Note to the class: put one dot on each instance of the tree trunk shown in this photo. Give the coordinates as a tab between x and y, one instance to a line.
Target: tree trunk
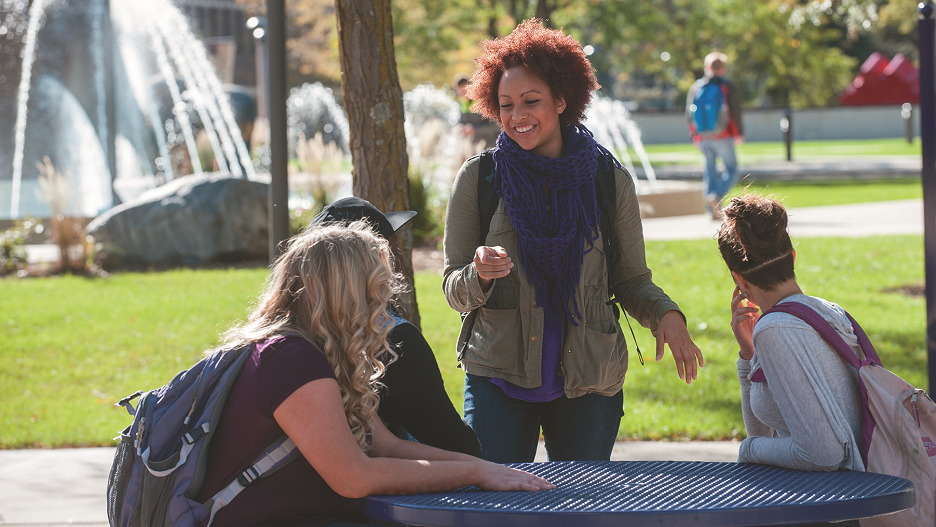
491	10
374	103
544	12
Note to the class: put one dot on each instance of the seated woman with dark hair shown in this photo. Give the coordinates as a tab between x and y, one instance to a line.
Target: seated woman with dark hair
320	333
801	401
413	401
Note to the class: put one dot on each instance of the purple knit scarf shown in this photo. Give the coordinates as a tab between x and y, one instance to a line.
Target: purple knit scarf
552	229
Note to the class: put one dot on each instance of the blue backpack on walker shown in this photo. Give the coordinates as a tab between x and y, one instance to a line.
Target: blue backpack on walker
708	109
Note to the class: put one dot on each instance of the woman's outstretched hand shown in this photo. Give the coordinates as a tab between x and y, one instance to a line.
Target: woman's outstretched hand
501	478
744	315
672	330
491	263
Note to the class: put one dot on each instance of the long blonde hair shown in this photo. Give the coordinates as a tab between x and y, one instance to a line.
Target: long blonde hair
332	286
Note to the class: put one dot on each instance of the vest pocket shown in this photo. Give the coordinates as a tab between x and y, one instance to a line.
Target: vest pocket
600	365
595	265
496	340
501	231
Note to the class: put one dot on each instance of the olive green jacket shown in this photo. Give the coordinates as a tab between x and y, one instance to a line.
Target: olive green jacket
506	325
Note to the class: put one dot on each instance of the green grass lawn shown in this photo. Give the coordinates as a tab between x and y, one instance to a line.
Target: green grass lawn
71	347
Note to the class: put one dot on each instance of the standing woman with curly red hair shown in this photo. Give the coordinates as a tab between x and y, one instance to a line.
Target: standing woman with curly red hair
540	346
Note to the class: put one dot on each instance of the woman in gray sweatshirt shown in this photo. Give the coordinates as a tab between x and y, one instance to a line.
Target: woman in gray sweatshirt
801	402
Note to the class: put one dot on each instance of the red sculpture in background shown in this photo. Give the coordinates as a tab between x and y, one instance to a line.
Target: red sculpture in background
884	82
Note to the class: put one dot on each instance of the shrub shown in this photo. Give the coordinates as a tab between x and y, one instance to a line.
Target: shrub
67	228
428	223
13	245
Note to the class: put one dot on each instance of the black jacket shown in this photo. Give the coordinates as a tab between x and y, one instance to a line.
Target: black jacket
413	396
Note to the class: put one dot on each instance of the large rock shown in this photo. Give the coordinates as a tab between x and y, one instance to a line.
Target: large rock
189	221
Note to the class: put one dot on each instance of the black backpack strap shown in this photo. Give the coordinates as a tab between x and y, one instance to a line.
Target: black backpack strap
487	202
606	193
487	196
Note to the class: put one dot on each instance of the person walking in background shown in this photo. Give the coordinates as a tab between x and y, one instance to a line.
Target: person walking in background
473	125
413	402
713	109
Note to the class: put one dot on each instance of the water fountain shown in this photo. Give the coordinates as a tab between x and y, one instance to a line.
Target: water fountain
613	127
119	94
434	145
437	148
312	108
115	93
318	138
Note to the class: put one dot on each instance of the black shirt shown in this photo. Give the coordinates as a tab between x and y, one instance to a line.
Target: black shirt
413	396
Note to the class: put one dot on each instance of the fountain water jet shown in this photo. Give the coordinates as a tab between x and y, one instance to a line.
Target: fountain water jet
434	146
613	127
36	11
106	55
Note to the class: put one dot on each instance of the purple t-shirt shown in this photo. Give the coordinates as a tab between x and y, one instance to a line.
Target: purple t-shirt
295	495
552	387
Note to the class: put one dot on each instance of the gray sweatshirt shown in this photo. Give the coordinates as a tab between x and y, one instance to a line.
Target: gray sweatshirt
807	415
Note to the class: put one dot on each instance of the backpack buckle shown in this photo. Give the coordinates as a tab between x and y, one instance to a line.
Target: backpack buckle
125	402
196	433
248	476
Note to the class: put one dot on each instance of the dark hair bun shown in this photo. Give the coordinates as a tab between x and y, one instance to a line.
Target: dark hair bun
759	224
754	241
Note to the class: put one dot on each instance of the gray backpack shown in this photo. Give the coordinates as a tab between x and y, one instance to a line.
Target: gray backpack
161	460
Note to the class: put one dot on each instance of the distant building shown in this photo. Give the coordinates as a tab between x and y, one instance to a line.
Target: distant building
221	25
883	81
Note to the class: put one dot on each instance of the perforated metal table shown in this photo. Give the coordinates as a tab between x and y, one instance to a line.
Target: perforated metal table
656	493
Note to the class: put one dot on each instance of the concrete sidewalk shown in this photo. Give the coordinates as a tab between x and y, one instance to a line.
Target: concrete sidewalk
861	219
67	486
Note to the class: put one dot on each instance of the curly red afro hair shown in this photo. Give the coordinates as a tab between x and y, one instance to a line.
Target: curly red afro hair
551	55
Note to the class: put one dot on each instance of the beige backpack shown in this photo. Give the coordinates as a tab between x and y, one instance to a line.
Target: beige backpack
899	422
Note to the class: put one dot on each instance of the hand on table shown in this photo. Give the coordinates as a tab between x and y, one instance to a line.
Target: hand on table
501	478
744	315
491	263
672	330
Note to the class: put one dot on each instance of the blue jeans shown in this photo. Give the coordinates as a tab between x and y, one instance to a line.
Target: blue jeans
579	429
715	182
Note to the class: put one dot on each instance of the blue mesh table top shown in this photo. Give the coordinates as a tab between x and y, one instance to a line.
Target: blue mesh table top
656	493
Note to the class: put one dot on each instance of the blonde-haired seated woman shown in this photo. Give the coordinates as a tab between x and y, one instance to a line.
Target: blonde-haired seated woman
320	329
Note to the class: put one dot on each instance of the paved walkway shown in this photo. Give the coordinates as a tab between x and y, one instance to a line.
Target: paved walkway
862	219
66	486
